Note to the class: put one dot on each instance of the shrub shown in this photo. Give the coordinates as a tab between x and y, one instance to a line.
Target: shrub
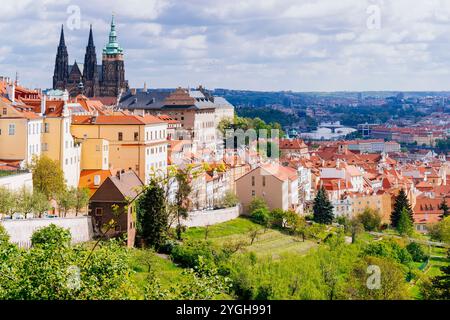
188	254
4	236
51	236
261	216
370	219
230	200
388	249
257	203
277	217
417	252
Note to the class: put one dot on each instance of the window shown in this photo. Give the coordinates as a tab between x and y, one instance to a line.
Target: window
264	181
47	127
253	193
120	136
98	212
253	181
4	111
136	136
12	129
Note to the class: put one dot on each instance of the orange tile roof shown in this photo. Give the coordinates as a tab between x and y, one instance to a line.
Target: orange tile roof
87	179
116	119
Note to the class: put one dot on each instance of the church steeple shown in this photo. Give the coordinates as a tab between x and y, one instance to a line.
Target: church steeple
61	72
90	71
112	48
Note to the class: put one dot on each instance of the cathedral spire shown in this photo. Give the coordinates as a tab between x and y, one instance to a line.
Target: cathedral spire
112	48
62	42
61	72
91	38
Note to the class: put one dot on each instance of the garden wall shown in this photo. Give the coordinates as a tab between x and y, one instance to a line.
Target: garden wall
211	217
20	231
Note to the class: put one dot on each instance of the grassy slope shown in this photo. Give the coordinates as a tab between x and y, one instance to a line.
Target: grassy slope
270	241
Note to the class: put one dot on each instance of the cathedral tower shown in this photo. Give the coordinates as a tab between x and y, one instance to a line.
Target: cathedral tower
113	68
61	72
90	70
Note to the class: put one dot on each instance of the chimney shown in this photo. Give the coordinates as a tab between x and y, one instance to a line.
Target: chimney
118	174
133	91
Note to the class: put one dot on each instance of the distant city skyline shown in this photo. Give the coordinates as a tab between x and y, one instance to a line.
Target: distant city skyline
302	46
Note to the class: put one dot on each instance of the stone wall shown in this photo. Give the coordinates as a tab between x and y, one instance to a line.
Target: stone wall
20	231
205	218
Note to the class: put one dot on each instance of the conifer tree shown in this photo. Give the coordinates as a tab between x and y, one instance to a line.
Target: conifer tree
323	209
152	219
404	224
445	209
401	202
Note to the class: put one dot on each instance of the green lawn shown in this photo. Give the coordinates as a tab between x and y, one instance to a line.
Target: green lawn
272	242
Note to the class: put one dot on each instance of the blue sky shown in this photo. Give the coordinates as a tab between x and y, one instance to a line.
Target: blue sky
300	45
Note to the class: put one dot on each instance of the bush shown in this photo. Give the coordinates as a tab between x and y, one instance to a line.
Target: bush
277	217
230	200
370	219
51	236
388	249
417	252
4	236
257	203
261	216
188	254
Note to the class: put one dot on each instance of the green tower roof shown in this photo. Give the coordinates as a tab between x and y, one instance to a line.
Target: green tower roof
113	46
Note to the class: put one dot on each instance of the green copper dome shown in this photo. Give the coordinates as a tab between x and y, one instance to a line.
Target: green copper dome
112	47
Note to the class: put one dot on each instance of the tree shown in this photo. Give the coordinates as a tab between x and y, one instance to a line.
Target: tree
253	234
370	219
7	201
230	199
40	203
4	237
66	200
401	202
362	285
277	218
322	208
82	196
48	177
417	252
262	217
257	203
438	288
355	227
25	201
152	216
445	209
404	224
440	231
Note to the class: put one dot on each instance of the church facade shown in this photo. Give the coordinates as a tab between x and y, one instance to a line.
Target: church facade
90	79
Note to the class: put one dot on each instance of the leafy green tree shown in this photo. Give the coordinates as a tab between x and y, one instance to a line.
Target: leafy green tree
440	231
277	218
401	202
370	219
82	196
230	199
48	177
51	236
257	203
4	237
417	252
392	284
7	201
355	227
261	216
404	224
438	287
67	200
152	219
40	203
322	209
25	201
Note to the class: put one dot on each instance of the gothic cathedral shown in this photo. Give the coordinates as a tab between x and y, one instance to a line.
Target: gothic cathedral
90	79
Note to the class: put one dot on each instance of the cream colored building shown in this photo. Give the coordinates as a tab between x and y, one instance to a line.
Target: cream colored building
276	184
135	143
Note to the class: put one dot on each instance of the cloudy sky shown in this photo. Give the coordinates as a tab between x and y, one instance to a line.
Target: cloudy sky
300	45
